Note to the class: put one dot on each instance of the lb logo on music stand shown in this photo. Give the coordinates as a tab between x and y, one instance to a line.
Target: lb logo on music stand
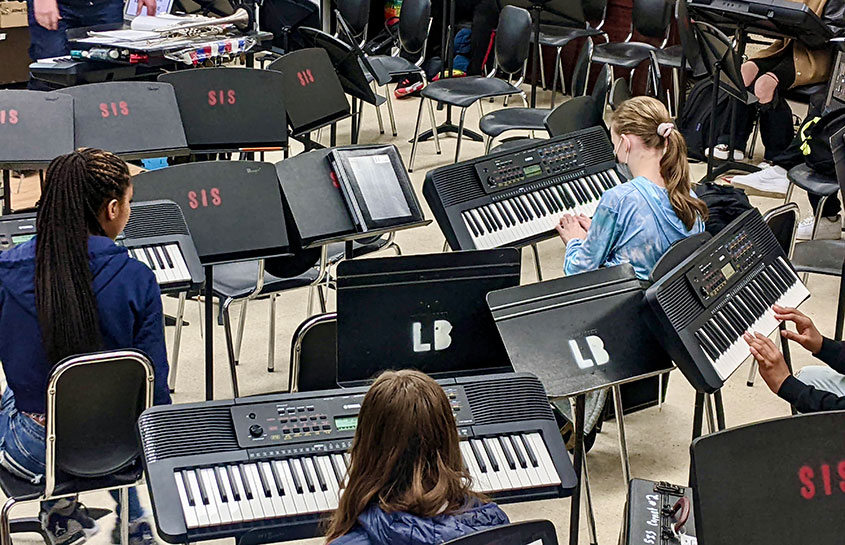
596	346
442	336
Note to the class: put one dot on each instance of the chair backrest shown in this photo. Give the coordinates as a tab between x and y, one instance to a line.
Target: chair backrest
837	148
594	10
794	466
652	18
530	532
314	354
356	14
414	21
513	39
619	93
582	67
93	405
601	89
783	221
573	115
677	252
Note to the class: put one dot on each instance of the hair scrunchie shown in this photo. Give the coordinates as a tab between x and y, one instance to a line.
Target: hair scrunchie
665	129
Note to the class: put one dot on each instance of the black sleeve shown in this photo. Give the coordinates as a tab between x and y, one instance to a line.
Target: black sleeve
833	354
808	399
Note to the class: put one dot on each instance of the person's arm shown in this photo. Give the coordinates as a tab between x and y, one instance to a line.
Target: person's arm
773	369
149	338
832	353
590	252
47	13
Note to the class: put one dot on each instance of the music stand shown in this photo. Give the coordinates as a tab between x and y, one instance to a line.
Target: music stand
318	212
230	109
349	62
35	128
529	320
234	212
557	12
752	486
133	120
313	94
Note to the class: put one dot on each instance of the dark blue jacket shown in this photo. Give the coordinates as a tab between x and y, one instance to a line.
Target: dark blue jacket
375	527
128	301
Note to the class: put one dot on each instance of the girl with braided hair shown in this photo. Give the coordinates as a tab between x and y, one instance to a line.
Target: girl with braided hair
71	290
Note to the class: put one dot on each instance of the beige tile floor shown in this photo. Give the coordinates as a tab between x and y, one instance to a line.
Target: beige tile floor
658	440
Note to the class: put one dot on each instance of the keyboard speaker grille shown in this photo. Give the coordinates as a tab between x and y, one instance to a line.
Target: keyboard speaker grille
187	432
508	400
679	303
153	219
457	184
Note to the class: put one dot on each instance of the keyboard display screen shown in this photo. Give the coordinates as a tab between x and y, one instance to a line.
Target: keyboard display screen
346	423
20	239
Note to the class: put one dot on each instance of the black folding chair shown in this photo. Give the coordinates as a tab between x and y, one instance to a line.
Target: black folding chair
91	445
313	354
532	532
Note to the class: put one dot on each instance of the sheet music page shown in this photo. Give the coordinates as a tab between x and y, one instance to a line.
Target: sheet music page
379	186
144	22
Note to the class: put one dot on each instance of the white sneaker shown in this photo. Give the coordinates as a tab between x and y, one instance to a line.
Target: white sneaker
768	182
829	229
720	152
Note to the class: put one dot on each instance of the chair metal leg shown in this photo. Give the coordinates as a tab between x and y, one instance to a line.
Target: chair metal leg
623	443
124	516
271	347
488	145
537	267
240	335
818	216
230	349
660	392
542	67
708	413
202	313
322	297
390	110
460	134
588	500
177	341
445	246
417	136
5	529
378	110
480	109
310	307
840	308
434	128
752	374
558	73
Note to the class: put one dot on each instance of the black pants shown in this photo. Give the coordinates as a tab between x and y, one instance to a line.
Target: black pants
831	205
484	15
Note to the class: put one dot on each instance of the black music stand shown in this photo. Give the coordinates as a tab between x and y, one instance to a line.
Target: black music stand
558	12
235	213
231	109
35	128
532	338
349	62
313	94
133	120
316	207
752	486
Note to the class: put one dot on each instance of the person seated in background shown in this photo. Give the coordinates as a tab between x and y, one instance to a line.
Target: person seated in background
813	389
407	480
637	221
71	290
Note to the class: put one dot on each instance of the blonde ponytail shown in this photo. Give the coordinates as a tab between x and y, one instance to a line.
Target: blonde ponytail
644	117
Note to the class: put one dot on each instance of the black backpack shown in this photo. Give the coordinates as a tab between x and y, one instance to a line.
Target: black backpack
815	136
724	204
694	121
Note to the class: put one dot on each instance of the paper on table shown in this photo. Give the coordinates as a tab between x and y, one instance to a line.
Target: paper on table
379	187
144	22
113	36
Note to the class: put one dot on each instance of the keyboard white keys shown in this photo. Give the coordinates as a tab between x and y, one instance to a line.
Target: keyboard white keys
273	489
165	260
527	215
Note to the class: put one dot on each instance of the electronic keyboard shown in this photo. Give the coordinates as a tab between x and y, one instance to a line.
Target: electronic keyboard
157	236
514	198
725	288
271	468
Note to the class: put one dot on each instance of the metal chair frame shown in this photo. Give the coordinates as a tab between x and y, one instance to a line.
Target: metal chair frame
50	469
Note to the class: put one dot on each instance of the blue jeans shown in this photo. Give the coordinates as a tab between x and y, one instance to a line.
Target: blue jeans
823	378
53	43
22	451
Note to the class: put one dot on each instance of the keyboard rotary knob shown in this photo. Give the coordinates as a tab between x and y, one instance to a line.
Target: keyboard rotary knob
256	431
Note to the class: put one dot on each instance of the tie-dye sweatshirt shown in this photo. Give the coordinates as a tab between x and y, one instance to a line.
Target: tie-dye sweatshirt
633	223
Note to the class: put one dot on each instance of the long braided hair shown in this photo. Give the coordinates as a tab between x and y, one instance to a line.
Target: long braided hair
76	189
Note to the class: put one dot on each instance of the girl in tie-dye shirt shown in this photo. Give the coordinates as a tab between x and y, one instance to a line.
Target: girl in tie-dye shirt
636	222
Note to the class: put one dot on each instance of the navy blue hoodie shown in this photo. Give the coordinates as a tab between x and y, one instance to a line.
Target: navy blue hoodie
128	301
375	527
